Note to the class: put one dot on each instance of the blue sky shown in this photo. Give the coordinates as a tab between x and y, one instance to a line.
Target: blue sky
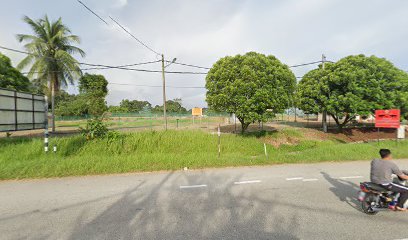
200	32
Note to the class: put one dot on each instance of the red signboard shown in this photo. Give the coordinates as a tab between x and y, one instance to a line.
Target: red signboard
387	118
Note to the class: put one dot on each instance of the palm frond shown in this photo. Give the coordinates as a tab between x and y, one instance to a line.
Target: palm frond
35	26
74	50
74	38
25	62
51	47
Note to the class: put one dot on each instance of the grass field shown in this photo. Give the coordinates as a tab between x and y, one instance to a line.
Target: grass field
172	150
145	122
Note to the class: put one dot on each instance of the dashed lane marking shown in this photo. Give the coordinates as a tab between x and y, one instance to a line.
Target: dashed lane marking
193	186
294	178
247	182
351	177
310	179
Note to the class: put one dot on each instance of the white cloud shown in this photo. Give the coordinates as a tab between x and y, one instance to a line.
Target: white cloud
200	32
120	3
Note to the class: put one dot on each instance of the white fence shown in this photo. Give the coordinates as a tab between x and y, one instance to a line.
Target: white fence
21	111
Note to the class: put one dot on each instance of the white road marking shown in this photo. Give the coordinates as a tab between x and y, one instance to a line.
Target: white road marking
351	177
310	180
248	182
193	186
294	178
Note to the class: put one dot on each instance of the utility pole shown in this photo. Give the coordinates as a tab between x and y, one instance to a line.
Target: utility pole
324	114
164	87
164	93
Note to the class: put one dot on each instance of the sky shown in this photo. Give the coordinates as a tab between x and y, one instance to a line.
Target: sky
200	32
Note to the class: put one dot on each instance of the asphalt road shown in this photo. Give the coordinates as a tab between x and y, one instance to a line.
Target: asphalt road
305	201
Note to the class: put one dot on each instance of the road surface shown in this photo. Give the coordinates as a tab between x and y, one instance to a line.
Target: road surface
302	201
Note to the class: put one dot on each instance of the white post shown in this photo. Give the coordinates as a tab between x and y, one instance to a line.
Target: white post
266	153
46	124
219	140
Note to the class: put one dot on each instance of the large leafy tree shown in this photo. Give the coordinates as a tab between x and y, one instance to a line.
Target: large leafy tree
134	105
172	106
353	85
249	85
70	104
94	88
11	78
51	48
91	99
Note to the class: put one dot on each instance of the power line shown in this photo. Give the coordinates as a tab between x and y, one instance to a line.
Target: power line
304	64
189	65
15	50
120	66
83	4
140	70
154	86
126	67
145	45
293	66
102	66
124	29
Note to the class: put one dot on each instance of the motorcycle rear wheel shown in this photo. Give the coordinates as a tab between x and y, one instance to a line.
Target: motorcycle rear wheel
368	203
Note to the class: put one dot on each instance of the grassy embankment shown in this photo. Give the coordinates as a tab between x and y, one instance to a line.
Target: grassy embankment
150	151
142	122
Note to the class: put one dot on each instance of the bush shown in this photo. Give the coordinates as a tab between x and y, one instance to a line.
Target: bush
95	128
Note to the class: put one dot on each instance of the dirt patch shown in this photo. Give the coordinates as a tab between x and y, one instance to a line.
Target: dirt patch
363	134
349	135
251	128
283	135
282	140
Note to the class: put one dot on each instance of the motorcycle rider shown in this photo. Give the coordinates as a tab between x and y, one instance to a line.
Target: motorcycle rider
381	173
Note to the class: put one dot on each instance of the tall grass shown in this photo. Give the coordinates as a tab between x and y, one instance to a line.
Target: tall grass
168	150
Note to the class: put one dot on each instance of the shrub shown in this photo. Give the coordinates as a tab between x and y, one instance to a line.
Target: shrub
95	128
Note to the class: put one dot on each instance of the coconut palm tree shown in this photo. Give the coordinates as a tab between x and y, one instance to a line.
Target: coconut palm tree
50	60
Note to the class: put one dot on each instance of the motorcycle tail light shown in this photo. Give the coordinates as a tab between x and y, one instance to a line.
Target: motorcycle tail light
363	188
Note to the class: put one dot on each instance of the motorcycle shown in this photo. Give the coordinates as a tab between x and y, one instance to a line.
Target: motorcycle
375	198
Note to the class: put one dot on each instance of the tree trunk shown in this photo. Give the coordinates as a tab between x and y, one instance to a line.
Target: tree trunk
53	105
339	124
55	87
244	125
340	128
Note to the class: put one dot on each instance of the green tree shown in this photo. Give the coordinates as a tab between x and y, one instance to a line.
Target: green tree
172	106
51	49
117	109
93	84
134	105
74	105
249	85
94	89
355	85
90	100
11	78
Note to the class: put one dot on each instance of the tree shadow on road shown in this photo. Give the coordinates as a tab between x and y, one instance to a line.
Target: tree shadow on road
346	191
168	212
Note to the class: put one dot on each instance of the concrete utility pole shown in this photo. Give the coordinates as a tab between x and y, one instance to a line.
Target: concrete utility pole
164	88
324	114
164	93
